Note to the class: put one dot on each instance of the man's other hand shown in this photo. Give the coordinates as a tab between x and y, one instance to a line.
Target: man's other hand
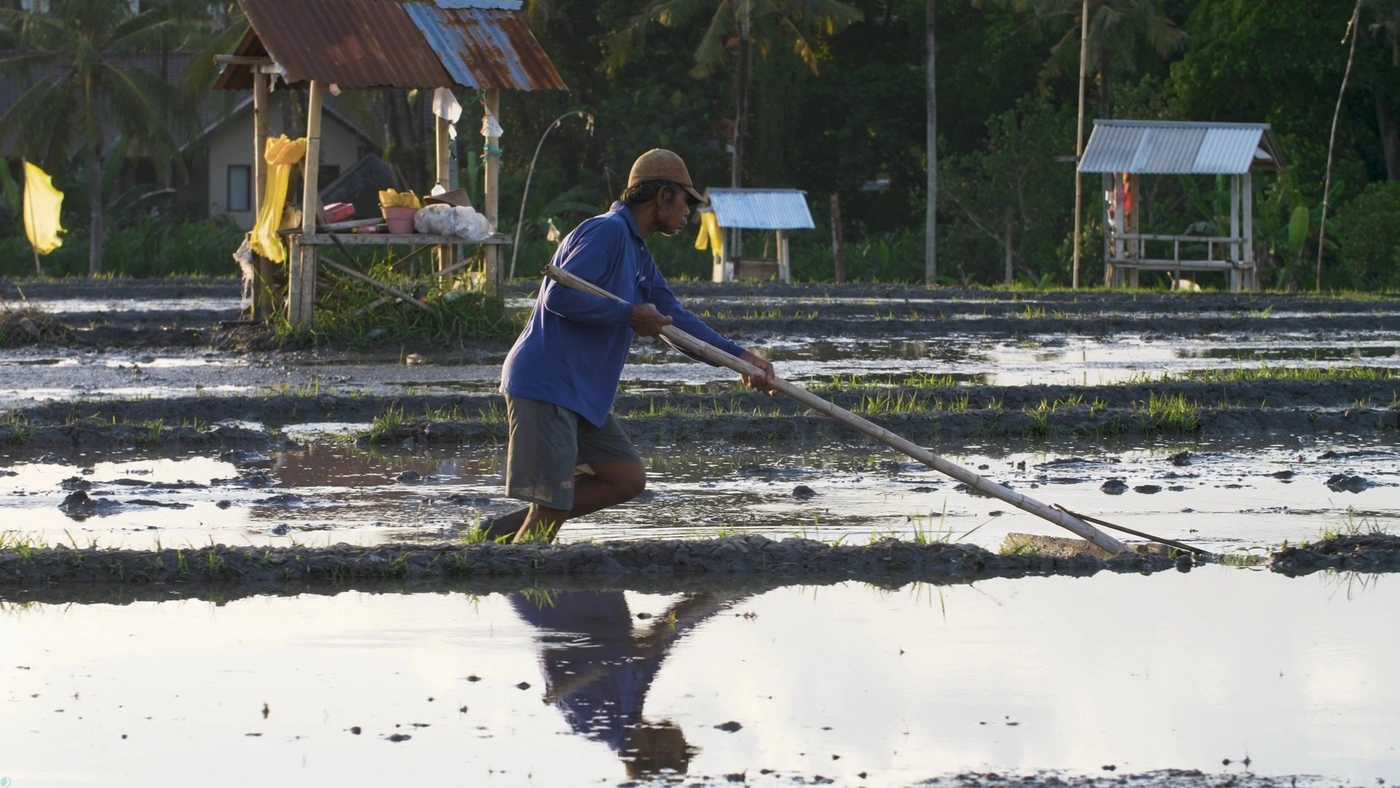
764	382
647	321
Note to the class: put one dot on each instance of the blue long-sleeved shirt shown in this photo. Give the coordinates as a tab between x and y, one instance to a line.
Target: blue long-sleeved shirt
572	351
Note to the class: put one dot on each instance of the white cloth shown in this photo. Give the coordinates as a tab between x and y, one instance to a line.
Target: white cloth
445	106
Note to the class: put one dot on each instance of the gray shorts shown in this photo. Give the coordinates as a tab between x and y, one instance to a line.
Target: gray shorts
547	444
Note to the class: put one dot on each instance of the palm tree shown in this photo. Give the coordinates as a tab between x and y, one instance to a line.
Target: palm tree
740	27
85	88
1120	33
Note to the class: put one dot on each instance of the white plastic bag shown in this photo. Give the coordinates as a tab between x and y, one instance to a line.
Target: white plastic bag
465	223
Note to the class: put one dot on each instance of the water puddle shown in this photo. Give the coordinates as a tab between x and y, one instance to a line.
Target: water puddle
1221	670
1230	499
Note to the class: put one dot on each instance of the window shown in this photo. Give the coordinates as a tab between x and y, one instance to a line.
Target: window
326	174
240	188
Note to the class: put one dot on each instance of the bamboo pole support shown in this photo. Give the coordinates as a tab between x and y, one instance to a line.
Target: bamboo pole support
301	280
493	196
981	484
262	285
442	255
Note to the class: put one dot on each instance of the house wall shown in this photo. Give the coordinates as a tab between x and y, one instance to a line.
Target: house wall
232	144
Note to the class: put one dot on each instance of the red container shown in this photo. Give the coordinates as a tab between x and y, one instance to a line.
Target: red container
338	212
400	220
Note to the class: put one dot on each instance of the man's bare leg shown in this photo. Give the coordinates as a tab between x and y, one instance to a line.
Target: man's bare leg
612	483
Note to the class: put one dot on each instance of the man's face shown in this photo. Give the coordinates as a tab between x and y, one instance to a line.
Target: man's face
672	210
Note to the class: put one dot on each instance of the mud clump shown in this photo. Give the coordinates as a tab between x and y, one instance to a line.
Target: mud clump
29	326
1375	552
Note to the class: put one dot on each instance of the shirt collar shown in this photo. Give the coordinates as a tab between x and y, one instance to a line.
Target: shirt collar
620	208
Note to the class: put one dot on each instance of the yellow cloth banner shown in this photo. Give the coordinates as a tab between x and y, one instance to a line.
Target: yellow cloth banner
709	237
42	205
281	153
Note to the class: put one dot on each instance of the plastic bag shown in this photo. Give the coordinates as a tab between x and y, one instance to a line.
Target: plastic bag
465	223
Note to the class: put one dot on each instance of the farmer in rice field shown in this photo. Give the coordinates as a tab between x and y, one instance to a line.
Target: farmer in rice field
561	377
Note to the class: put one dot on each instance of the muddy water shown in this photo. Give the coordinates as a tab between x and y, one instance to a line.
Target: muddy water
51	374
1228	499
862	686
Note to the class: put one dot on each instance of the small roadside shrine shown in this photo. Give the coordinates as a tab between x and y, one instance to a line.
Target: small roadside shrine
731	211
333	45
1122	151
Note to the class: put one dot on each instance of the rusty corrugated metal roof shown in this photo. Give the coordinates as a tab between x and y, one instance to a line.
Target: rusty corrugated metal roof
761	209
382	43
1171	147
485	47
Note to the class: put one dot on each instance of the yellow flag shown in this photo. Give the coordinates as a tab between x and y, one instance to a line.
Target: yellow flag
42	203
709	237
281	154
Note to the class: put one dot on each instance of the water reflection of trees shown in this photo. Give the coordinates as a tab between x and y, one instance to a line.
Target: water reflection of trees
598	668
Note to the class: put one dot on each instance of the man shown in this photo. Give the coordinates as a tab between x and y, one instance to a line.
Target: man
561	377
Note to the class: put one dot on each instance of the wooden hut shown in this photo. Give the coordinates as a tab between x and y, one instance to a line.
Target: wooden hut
321	45
776	211
1122	151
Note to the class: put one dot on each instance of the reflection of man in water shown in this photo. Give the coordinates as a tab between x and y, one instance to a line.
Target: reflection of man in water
598	669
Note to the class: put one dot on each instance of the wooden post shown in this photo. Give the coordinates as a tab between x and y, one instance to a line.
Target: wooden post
1110	273
443	255
301	278
784	265
1235	233
1252	273
838	251
262	284
493	197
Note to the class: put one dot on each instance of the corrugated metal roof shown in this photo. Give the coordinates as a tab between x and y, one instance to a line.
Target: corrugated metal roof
761	209
382	44
1170	147
485	47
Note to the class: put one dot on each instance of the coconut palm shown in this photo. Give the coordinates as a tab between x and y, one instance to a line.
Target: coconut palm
85	89
736	31
1121	32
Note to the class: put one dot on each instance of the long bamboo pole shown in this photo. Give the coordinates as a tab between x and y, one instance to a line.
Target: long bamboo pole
869	428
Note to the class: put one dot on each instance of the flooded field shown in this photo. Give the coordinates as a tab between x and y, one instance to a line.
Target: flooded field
1236	424
1222	670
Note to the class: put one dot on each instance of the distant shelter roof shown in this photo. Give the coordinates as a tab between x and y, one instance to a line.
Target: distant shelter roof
761	209
386	44
1158	147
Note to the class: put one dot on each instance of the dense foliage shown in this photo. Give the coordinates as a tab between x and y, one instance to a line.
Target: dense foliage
833	100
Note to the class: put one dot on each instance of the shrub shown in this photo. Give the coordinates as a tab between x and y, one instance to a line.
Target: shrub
1368	237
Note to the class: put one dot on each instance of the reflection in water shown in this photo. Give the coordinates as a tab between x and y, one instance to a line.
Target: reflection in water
598	669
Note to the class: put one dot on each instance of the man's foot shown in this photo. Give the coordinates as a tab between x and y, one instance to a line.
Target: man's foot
502	526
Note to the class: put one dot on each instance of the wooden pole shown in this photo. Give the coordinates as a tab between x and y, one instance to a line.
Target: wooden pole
301	280
493	196
1235	233
1079	140
442	255
1352	32
869	428
1252	267
837	250
784	265
931	142
262	284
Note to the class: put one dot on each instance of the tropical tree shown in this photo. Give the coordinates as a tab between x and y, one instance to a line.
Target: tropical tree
737	31
83	89
1121	34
